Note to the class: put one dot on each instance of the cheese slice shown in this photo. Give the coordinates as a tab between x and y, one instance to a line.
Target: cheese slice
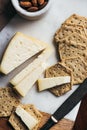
20	48
47	83
19	77
26	117
25	85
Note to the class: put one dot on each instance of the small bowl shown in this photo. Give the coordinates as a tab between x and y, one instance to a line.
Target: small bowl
30	15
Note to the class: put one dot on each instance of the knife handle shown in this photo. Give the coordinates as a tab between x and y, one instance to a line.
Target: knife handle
67	106
71	101
51	121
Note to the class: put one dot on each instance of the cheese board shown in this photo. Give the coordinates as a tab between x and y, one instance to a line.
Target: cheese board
64	124
43	29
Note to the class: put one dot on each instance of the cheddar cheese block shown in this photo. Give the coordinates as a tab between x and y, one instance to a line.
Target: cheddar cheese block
47	83
20	48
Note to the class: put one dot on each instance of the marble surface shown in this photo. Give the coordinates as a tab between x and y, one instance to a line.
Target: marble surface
44	30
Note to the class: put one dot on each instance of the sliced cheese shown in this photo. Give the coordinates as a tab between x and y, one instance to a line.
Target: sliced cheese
20	48
26	117
25	85
47	83
19	77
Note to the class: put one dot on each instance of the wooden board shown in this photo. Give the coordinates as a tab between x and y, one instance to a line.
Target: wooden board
4	125
81	120
64	124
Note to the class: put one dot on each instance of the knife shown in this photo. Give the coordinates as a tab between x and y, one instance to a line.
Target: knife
14	72
67	106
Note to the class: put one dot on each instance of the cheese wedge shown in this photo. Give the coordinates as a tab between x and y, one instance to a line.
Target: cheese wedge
20	48
47	83
25	85
19	77
26	117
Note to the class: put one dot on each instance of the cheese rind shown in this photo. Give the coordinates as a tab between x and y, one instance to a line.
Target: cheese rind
25	85
20	48
19	77
47	83
26	117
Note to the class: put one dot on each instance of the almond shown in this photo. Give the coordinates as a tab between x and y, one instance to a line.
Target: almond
34	2
41	2
42	6
32	9
25	4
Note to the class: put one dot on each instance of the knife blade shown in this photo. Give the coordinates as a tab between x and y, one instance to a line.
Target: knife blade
67	106
18	69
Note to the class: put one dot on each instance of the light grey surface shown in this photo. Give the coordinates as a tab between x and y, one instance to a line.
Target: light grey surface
44	30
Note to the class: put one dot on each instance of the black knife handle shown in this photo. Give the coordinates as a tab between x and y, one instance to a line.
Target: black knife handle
67	106
72	101
48	124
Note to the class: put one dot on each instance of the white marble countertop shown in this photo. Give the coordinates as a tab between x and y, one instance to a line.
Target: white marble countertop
44	30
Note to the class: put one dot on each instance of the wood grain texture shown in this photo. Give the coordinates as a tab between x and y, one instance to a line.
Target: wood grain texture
4	125
64	124
81	120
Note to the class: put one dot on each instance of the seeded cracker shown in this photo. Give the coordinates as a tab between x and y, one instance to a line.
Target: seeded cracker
76	38
68	50
77	20
16	122
8	100
59	70
78	67
67	29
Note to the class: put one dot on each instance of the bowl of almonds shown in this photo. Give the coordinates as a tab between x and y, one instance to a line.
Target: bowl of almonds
31	9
